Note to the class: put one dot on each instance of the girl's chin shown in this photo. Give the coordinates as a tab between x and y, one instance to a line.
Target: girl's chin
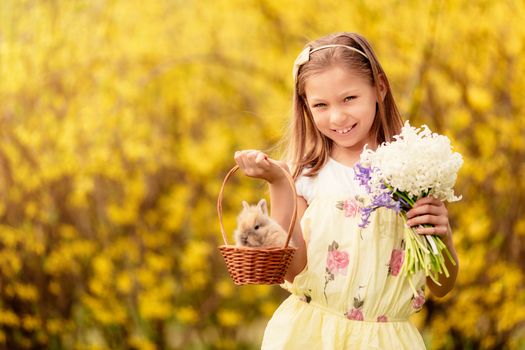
351	143
348	147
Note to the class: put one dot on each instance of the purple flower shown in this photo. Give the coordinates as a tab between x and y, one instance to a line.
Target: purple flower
363	175
365	216
385	200
382	200
403	204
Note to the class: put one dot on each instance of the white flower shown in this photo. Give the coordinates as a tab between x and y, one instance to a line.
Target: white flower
418	162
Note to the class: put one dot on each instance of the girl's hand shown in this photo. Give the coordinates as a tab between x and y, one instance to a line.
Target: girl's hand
257	164
429	210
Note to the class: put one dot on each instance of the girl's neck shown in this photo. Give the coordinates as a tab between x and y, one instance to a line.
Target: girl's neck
348	157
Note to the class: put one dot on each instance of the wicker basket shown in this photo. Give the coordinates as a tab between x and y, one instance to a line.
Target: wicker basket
248	265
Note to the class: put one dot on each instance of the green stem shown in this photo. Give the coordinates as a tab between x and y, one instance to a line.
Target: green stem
405	197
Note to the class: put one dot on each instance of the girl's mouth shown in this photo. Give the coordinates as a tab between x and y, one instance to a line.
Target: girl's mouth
344	131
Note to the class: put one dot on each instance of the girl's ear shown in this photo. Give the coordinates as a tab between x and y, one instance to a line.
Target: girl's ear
382	87
262	205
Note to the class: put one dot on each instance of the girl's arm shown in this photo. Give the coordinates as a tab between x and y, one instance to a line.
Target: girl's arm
257	164
429	210
281	198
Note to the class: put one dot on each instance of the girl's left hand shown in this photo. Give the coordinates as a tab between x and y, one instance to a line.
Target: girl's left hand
429	210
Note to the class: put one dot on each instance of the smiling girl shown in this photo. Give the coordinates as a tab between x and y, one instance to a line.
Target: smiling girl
346	290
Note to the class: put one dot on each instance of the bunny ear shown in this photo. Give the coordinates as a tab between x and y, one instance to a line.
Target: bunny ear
245	205
262	205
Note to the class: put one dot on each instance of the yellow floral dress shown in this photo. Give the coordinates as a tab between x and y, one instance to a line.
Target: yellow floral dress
351	294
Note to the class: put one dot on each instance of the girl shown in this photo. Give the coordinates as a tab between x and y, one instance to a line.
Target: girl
346	288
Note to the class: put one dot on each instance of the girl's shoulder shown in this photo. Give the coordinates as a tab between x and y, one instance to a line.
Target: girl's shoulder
305	185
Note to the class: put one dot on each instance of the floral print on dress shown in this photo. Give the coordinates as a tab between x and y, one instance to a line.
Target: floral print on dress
396	261
350	207
397	258
336	264
418	300
382	318
356	313
307	296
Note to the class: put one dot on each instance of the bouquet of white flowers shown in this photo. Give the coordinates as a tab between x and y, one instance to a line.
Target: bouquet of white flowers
418	163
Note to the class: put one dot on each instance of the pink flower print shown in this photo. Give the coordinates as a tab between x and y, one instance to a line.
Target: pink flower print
350	207
356	314
396	261
336	264
418	300
382	318
337	261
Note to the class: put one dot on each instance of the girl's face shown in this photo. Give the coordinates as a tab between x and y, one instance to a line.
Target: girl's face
343	105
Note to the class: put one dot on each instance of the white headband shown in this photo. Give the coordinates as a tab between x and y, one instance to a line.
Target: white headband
304	56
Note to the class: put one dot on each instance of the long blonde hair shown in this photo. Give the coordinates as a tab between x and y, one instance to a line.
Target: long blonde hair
305	146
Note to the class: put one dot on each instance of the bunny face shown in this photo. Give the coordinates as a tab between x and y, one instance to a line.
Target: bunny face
252	225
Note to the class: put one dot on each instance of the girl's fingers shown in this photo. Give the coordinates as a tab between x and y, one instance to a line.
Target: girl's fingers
429	211
428	219
435	230
247	158
432	208
255	164
427	200
262	159
239	159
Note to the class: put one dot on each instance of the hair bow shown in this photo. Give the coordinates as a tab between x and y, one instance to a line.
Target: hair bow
304	56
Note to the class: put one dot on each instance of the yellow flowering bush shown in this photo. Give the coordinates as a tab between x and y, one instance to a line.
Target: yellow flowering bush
119	120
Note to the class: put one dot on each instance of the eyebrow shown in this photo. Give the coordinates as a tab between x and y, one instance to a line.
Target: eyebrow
351	92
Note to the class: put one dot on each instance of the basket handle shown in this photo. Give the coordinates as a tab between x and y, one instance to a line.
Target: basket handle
294	214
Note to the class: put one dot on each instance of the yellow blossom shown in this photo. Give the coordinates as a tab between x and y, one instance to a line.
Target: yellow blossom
124	282
30	323
268	308
141	343
8	318
186	314
225	287
229	318
26	291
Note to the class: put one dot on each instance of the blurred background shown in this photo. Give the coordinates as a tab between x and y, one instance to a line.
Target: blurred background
119	120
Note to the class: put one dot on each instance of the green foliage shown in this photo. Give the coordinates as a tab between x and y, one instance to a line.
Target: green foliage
119	120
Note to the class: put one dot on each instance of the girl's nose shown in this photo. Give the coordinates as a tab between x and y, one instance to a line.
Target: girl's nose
338	116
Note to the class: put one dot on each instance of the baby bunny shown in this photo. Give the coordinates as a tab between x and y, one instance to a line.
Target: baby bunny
256	229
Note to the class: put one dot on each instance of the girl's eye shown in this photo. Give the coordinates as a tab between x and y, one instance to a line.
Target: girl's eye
349	98
319	105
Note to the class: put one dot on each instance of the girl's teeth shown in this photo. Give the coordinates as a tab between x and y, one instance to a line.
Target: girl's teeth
343	131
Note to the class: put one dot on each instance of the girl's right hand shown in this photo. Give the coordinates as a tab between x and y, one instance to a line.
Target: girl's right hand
257	164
